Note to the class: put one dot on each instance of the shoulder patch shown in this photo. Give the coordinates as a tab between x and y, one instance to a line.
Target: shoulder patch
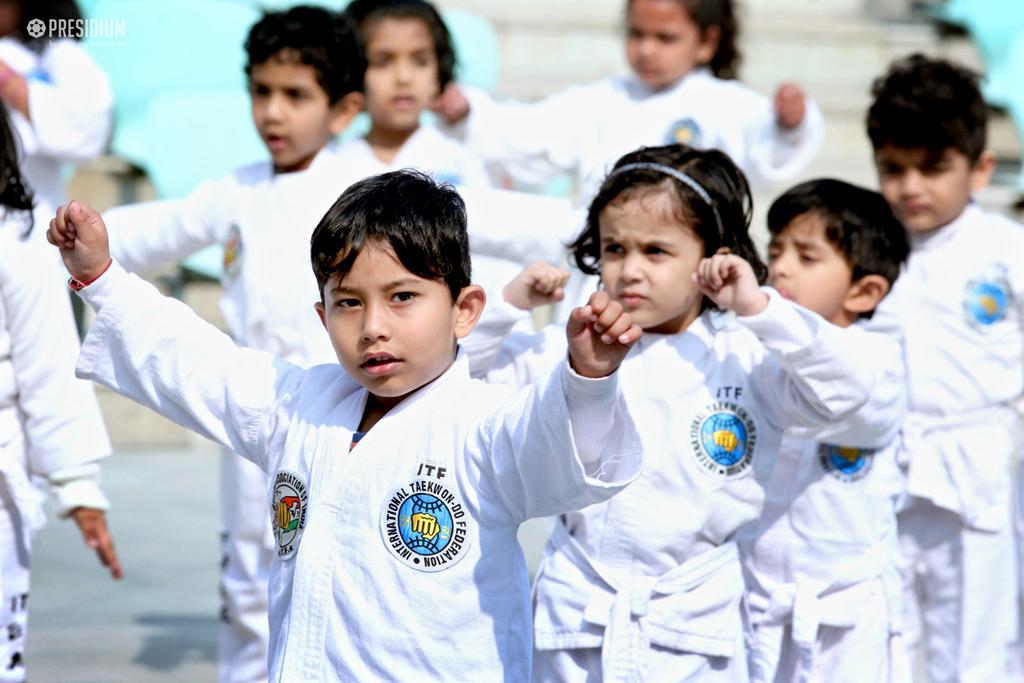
722	437
844	463
986	302
288	511
684	131
425	525
233	249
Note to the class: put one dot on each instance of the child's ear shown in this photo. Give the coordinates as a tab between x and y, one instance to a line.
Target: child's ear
709	41
468	308
322	312
865	294
982	170
344	111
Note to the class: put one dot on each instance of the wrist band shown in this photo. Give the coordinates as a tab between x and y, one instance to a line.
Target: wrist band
76	285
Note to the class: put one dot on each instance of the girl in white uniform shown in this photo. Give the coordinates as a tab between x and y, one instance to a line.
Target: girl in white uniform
648	586
40	74
50	423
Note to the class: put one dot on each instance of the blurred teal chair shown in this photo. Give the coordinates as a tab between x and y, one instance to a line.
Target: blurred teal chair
949	12
168	47
993	25
1015	82
476	46
184	145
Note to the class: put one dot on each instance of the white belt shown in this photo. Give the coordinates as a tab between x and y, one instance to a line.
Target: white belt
623	608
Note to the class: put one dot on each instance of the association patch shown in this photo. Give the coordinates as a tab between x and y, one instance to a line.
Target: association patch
845	463
233	249
425	524
685	132
288	511
723	437
986	302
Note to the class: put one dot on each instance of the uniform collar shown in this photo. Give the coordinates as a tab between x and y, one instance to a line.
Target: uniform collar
943	236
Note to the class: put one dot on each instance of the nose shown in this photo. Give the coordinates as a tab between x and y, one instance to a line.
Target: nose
274	107
376	323
911	183
632	267
403	71
781	265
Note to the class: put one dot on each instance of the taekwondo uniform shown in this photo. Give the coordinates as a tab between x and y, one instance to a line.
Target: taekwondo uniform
648	586
584	130
50	423
397	556
959	307
57	133
824	597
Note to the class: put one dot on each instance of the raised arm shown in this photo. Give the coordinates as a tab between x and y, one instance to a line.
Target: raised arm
782	136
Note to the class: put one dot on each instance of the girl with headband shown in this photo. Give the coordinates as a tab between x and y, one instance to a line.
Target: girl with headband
648	586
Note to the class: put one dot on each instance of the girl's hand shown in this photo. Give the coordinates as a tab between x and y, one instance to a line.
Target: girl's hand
539	284
451	105
79	233
729	281
600	335
93	525
789	106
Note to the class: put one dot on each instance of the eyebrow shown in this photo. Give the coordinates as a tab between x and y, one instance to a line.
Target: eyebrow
394	284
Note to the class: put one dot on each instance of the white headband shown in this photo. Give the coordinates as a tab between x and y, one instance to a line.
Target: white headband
681	177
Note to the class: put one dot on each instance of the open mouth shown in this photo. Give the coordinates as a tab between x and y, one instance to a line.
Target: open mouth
380	364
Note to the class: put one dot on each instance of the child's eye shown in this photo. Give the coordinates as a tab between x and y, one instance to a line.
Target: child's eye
654	250
347	303
404	296
774	254
296	95
808	259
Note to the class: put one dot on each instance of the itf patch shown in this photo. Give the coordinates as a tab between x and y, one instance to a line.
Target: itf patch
723	437
233	249
685	132
288	512
845	463
986	302
425	524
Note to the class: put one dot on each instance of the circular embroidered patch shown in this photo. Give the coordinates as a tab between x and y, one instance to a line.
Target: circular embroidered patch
288	512
723	437
986	302
685	132
845	463
425	525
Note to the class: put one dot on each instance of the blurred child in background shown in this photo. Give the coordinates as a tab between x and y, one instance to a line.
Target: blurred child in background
823	591
39	75
958	309
50	423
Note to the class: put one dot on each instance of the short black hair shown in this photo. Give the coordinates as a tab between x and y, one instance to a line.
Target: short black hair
315	36
712	170
930	103
858	222
15	196
365	13
422	220
45	11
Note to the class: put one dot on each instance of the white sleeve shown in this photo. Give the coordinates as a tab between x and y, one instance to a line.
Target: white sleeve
70	110
499	318
77	487
775	154
60	416
532	142
820	373
519	226
878	422
561	445
149	235
157	352
525	358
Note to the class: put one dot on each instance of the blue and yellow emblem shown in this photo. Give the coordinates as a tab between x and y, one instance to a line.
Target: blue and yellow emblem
425	525
233	249
684	132
845	463
986	302
723	437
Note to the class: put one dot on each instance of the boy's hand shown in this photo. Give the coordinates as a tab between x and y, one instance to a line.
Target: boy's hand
79	233
539	284
789	106
93	524
600	335
451	104
729	281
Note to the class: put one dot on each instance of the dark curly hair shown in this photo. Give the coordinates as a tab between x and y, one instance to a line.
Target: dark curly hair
930	103
15	196
712	170
318	37
365	13
707	13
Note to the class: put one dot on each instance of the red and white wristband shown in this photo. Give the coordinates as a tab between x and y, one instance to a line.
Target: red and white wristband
76	285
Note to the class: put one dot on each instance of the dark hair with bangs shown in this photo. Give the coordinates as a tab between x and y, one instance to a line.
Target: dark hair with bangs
365	13
858	223
930	103
314	36
712	170
423	221
15	197
707	13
